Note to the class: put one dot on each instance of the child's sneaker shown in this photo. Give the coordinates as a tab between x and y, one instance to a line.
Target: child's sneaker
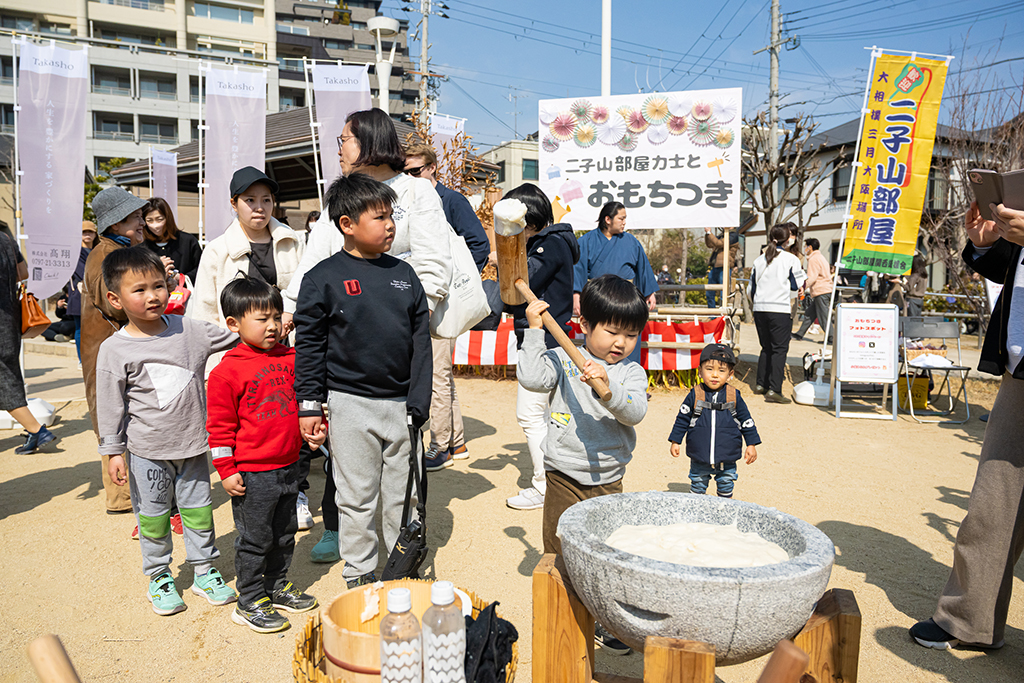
260	616
365	579
326	549
291	599
435	459
135	533
212	587
176	524
36	441
302	513
164	596
528	499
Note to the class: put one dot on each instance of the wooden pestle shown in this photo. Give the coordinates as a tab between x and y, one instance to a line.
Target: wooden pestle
51	661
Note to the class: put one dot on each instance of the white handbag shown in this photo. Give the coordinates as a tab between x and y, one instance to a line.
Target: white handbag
466	303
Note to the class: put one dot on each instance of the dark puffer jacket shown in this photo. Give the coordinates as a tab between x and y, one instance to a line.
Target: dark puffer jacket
551	254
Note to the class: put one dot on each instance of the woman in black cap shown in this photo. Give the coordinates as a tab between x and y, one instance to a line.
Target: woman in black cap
255	244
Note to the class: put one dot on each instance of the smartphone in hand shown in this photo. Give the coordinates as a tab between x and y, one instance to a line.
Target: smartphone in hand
991	187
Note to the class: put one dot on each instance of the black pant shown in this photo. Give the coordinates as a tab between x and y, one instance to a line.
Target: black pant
773	330
328	506
817	307
266	524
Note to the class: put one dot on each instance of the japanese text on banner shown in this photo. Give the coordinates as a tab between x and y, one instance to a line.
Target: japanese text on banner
891	176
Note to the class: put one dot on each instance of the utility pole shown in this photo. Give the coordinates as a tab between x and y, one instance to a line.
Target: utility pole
773	87
424	60
514	99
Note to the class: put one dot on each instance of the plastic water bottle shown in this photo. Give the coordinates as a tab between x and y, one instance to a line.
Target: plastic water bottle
444	637
400	653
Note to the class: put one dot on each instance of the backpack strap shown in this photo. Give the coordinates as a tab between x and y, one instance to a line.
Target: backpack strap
730	399
699	401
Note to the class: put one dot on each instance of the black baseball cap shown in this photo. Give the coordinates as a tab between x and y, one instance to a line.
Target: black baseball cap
245	177
719	352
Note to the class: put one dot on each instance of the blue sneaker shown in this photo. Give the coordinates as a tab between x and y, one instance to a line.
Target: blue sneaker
164	595
326	549
435	459
36	441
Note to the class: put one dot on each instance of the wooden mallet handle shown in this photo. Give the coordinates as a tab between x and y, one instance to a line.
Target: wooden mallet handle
602	390
51	661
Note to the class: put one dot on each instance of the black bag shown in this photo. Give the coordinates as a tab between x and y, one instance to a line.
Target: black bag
411	547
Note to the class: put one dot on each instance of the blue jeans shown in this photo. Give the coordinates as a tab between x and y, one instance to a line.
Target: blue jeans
714	278
723	472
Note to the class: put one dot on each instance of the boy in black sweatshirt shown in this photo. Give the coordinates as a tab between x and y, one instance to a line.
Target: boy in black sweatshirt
363	344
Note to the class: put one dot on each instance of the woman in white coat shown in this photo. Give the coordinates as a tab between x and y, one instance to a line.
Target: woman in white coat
255	244
774	280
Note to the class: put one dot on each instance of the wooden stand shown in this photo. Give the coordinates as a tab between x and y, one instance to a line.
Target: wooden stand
563	641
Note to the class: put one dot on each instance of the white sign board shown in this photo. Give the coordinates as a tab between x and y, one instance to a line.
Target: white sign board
867	340
673	159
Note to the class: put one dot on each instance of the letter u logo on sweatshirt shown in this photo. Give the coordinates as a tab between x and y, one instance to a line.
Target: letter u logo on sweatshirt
352	288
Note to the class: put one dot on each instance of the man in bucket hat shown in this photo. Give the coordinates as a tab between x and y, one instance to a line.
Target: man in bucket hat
119	224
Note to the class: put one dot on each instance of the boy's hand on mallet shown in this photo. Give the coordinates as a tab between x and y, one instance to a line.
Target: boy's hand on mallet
750	455
117	470
233	485
674	449
592	370
533	313
316	440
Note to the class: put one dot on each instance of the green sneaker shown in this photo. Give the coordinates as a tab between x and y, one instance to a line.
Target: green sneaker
326	549
291	599
260	616
212	587
164	595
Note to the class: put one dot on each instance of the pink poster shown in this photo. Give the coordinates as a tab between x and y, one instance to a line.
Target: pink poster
338	91
236	114
52	88
165	178
444	129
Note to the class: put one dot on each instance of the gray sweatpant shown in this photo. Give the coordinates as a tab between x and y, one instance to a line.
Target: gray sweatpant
370	456
154	485
975	601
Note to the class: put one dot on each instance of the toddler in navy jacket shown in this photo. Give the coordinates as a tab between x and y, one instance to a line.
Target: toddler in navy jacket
715	421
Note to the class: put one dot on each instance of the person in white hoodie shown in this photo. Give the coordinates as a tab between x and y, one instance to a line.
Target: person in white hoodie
774	280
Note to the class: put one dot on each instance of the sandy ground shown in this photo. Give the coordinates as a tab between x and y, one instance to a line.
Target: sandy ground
890	495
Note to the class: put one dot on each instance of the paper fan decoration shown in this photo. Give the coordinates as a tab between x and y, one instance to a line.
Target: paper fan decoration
624	110
635	121
676	125
657	134
571	190
549	144
680	105
547	114
701	110
628	142
612	130
581	110
724	138
586	135
655	110
725	109
599	115
703	133
564	126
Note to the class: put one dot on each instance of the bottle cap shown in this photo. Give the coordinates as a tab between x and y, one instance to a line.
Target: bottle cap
442	593
399	600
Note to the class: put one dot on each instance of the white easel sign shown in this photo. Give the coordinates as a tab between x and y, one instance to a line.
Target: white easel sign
867	349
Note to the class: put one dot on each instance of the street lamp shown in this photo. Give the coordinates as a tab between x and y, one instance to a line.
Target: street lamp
384	27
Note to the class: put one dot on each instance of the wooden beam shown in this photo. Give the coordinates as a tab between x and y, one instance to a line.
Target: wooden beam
832	638
670	660
563	629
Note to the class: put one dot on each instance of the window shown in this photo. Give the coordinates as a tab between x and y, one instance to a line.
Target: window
287	64
338	44
195	130
296	30
363	46
154	88
109	127
530	171
361	25
937	195
235	15
111	82
135	38
154	5
60	29
160	132
291	99
229	48
7	118
17	23
841	181
193	90
97	162
6	70
501	171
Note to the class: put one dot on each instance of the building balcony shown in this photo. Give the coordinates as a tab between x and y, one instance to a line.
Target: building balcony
111	90
151	5
159	139
113	135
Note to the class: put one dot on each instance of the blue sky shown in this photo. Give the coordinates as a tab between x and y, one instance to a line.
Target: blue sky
537	49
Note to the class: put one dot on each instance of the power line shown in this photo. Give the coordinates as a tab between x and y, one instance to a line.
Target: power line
858	10
685	54
735	38
477	103
919	27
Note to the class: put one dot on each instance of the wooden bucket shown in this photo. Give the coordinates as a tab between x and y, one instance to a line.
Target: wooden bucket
336	646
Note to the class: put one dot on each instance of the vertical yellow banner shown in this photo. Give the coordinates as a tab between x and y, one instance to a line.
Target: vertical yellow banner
891	176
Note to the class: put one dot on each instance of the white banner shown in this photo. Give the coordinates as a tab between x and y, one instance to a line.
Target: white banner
443	130
52	89
338	91
236	113
673	159
165	178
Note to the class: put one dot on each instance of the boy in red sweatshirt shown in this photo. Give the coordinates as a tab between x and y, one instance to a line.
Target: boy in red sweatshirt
253	422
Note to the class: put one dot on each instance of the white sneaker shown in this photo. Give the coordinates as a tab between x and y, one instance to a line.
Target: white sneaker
528	499
303	514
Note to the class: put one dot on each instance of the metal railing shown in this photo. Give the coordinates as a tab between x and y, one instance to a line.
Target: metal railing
159	139
151	5
112	135
290	64
111	90
158	95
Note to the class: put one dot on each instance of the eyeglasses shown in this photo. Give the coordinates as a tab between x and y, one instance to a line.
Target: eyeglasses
415	171
342	138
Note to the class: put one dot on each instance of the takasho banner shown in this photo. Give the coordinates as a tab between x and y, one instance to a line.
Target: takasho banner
165	178
338	91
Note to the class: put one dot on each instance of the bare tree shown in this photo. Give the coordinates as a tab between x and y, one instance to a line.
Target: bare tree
787	191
